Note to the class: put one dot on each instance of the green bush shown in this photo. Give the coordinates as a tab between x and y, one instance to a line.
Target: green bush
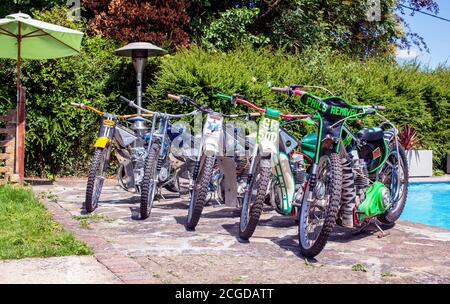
57	134
231	30
412	94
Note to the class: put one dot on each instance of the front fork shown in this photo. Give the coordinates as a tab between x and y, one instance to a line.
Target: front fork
105	136
210	144
311	183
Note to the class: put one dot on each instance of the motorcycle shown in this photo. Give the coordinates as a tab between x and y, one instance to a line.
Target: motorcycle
270	168
158	169
130	151
356	177
209	159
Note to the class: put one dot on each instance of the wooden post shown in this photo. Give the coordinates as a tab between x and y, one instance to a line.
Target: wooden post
20	139
20	131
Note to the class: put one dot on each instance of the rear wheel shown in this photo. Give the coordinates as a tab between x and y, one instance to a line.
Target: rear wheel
320	206
149	181
253	200
395	177
96	178
199	193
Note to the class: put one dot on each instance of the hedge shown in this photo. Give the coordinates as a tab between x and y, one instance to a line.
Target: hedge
413	95
59	137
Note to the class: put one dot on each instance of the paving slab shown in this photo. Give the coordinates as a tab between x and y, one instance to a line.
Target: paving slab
56	270
412	253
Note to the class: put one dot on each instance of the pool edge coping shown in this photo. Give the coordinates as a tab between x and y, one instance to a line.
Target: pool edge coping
431	179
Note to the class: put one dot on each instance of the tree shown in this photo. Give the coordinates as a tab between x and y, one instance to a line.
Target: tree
231	30
162	22
410	38
26	6
345	25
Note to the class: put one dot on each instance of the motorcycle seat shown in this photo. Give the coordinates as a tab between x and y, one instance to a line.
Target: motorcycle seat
370	134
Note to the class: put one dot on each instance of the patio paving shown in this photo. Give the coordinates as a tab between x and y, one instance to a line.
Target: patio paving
56	270
412	253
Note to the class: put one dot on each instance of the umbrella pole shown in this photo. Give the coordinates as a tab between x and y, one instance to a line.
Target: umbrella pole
20	132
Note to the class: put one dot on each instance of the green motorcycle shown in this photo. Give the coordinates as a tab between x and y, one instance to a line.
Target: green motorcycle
356	178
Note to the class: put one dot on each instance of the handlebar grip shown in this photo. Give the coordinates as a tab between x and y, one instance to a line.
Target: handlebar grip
223	96
381	108
78	105
280	90
174	97
125	100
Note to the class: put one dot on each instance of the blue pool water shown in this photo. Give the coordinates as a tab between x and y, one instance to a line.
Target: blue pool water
428	203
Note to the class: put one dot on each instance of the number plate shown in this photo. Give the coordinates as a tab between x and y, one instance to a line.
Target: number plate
108	122
268	130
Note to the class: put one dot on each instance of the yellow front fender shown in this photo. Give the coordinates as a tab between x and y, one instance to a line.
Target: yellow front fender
101	142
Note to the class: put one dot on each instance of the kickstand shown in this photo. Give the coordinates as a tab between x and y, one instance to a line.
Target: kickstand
362	229
160	193
382	233
215	199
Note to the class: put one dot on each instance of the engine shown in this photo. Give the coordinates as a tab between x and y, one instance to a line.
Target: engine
361	178
372	197
138	156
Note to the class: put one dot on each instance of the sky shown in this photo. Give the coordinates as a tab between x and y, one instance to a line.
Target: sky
436	34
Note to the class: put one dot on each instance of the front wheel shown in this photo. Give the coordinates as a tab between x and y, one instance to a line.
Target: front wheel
320	206
253	200
149	181
395	175
96	178
200	191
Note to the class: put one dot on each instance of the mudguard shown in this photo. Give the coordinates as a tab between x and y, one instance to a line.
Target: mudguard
268	136
229	182
308	145
213	135
281	169
102	142
123	156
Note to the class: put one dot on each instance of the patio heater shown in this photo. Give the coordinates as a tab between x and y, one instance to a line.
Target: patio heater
139	52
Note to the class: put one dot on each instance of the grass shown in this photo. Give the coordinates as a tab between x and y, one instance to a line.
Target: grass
94	217
387	274
86	219
27	230
85	224
359	267
236	280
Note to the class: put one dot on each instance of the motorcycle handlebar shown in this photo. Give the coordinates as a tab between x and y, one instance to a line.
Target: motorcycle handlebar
125	100
380	108
183	98
280	90
291	89
83	106
174	97
78	105
223	96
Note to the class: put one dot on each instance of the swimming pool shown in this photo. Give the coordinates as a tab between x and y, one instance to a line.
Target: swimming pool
428	203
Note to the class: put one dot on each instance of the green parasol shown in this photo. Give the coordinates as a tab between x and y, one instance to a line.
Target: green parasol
22	37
